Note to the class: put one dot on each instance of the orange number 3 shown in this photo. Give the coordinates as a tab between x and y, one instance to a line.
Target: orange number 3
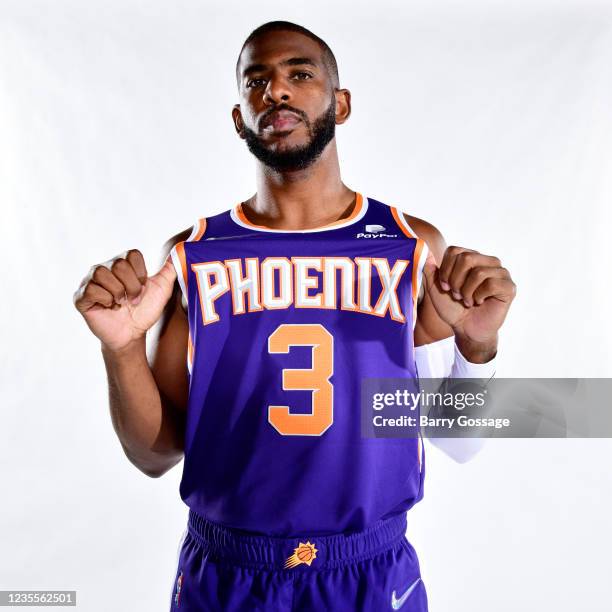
315	379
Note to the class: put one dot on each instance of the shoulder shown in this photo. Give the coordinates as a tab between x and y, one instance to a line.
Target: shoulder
174	240
195	232
429	233
177	295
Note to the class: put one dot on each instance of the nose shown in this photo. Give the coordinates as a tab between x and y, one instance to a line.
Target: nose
276	91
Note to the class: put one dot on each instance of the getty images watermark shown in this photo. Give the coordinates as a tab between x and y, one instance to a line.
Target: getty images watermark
497	408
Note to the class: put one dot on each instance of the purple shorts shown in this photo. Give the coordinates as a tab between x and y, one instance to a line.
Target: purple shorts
226	569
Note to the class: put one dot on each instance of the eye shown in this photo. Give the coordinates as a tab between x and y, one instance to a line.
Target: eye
302	76
255	82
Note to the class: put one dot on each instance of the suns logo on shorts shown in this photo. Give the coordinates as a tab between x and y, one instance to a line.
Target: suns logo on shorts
179	584
304	553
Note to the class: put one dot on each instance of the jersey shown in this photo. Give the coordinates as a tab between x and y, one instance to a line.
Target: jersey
283	327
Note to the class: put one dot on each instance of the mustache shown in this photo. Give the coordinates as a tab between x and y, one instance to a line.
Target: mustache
283	107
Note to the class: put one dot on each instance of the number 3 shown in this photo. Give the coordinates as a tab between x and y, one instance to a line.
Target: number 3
315	379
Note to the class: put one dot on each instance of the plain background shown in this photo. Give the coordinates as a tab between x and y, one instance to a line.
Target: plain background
491	121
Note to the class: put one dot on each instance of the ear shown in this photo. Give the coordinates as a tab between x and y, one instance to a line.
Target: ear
237	119
343	105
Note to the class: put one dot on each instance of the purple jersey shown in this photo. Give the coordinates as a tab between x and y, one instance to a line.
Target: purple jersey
283	327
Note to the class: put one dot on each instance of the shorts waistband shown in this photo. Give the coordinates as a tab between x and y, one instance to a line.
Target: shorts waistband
303	552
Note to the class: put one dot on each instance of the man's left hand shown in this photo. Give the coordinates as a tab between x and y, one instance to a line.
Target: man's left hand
472	293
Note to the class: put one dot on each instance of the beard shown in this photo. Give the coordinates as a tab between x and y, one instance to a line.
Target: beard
321	131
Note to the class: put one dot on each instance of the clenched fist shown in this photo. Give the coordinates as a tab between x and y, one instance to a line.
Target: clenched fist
119	302
471	292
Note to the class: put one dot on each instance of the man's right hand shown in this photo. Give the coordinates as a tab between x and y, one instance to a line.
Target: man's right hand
120	303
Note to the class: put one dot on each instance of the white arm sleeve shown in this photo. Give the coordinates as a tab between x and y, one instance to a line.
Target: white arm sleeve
442	359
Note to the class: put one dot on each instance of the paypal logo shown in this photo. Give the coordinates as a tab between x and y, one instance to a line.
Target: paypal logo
375	231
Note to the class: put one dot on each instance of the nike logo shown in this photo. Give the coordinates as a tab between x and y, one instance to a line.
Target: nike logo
398	602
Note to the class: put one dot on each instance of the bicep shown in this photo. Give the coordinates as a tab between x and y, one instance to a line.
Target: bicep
429	326
168	353
167	346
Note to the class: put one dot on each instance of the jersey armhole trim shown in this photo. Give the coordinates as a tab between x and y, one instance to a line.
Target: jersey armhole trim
198	231
179	261
402	223
179	258
180	264
421	255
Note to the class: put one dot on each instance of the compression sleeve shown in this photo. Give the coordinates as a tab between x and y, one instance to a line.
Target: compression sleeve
443	359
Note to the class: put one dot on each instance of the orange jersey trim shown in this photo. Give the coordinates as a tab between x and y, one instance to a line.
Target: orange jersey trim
180	252
400	222
190	352
356	210
418	251
200	231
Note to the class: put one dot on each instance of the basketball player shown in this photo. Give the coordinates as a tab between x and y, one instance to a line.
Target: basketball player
270	314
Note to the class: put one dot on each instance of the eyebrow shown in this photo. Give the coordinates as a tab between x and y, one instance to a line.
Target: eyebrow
292	61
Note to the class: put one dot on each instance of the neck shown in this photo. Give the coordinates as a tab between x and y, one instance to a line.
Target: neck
303	199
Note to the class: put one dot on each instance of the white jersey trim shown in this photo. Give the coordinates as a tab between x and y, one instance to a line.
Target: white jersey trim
349	221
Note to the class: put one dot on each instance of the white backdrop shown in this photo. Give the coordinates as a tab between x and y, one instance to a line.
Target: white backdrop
491	121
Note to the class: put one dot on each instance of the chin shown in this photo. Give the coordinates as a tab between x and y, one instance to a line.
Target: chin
286	144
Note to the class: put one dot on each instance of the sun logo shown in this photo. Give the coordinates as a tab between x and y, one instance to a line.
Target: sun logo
179	584
304	553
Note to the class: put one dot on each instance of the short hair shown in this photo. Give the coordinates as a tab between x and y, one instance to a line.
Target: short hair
287	26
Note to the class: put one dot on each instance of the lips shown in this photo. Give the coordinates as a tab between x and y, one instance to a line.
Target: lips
281	121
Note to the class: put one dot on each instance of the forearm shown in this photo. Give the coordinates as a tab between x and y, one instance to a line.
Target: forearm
441	361
150	431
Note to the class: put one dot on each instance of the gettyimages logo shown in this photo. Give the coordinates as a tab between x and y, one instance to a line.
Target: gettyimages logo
375	231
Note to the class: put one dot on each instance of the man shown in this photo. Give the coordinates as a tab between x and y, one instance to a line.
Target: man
280	307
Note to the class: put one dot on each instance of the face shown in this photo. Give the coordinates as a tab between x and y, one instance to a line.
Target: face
289	106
